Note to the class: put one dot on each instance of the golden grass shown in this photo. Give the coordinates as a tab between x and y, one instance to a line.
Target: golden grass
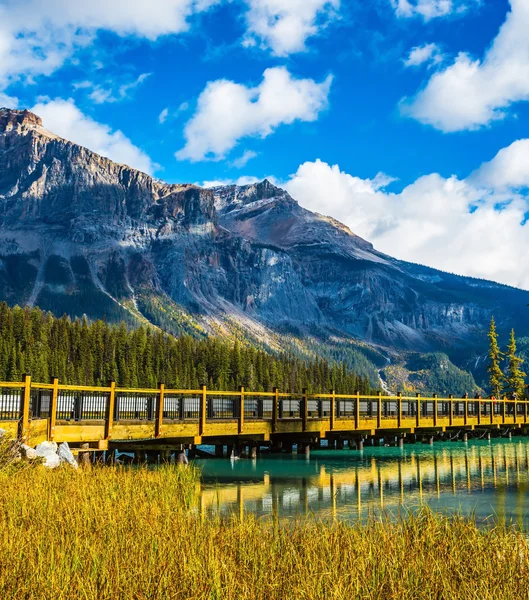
115	533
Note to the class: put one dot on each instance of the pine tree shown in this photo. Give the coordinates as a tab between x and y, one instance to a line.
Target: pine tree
515	379
496	376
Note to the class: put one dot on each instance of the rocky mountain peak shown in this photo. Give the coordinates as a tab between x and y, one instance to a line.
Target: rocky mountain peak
13	119
232	197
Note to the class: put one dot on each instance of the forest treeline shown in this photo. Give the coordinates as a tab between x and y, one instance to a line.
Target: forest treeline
93	353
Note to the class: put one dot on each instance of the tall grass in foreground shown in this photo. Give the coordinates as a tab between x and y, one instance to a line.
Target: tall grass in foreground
106	533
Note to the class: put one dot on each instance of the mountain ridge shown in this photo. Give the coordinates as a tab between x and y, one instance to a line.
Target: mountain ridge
82	234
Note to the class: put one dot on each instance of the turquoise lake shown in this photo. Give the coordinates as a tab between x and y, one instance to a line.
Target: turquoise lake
489	479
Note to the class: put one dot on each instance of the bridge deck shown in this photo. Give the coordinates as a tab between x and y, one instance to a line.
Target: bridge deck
100	415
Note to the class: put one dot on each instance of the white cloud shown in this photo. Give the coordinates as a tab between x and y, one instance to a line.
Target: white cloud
38	36
472	93
244	159
428	9
8	101
243	180
428	53
285	26
228	111
63	118
102	94
508	169
474	226
162	117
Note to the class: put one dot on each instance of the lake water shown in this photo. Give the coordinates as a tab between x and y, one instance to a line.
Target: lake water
484	478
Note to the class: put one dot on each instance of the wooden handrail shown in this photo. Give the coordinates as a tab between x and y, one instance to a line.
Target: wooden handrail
115	398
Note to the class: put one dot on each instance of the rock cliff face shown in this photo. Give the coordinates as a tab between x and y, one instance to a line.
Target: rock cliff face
82	234
365	293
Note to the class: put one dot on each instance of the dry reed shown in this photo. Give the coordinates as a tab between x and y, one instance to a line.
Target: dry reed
116	533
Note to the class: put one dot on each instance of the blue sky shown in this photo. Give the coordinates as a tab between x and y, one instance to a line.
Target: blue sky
380	113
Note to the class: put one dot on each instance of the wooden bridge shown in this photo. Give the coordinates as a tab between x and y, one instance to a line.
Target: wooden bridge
106	417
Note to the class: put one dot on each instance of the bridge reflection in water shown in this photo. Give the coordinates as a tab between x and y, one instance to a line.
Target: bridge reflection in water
483	478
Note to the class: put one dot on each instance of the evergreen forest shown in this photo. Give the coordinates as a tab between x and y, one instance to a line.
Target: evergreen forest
93	353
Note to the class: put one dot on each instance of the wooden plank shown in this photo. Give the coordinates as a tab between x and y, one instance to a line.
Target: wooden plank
53	408
110	411
26	400
203	409
305	409
83	388
275	409
241	409
159	412
332	412
11	384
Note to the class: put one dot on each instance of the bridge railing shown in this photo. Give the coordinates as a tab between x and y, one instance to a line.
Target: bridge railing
23	401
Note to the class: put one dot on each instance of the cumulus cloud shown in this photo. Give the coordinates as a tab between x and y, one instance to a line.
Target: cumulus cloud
111	91
508	169
38	36
475	226
244	159
162	117
8	101
65	119
244	180
285	26
428	53
471	93
428	9
228	111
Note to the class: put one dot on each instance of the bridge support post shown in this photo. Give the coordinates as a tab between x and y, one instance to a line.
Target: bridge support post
488	436
253	451
275	409
159	411
83	457
26	401
109	423
53	408
332	410
430	440
241	410
360	444
276	446
465	437
203	410
305	393
400	441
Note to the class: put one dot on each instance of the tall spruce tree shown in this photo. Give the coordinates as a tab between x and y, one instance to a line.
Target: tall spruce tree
496	376
515	378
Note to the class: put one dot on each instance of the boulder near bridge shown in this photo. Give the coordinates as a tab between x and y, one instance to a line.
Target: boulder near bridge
161	420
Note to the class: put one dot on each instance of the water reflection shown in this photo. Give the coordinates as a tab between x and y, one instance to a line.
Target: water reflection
483	478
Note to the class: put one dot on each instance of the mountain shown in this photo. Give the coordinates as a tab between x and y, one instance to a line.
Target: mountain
83	235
